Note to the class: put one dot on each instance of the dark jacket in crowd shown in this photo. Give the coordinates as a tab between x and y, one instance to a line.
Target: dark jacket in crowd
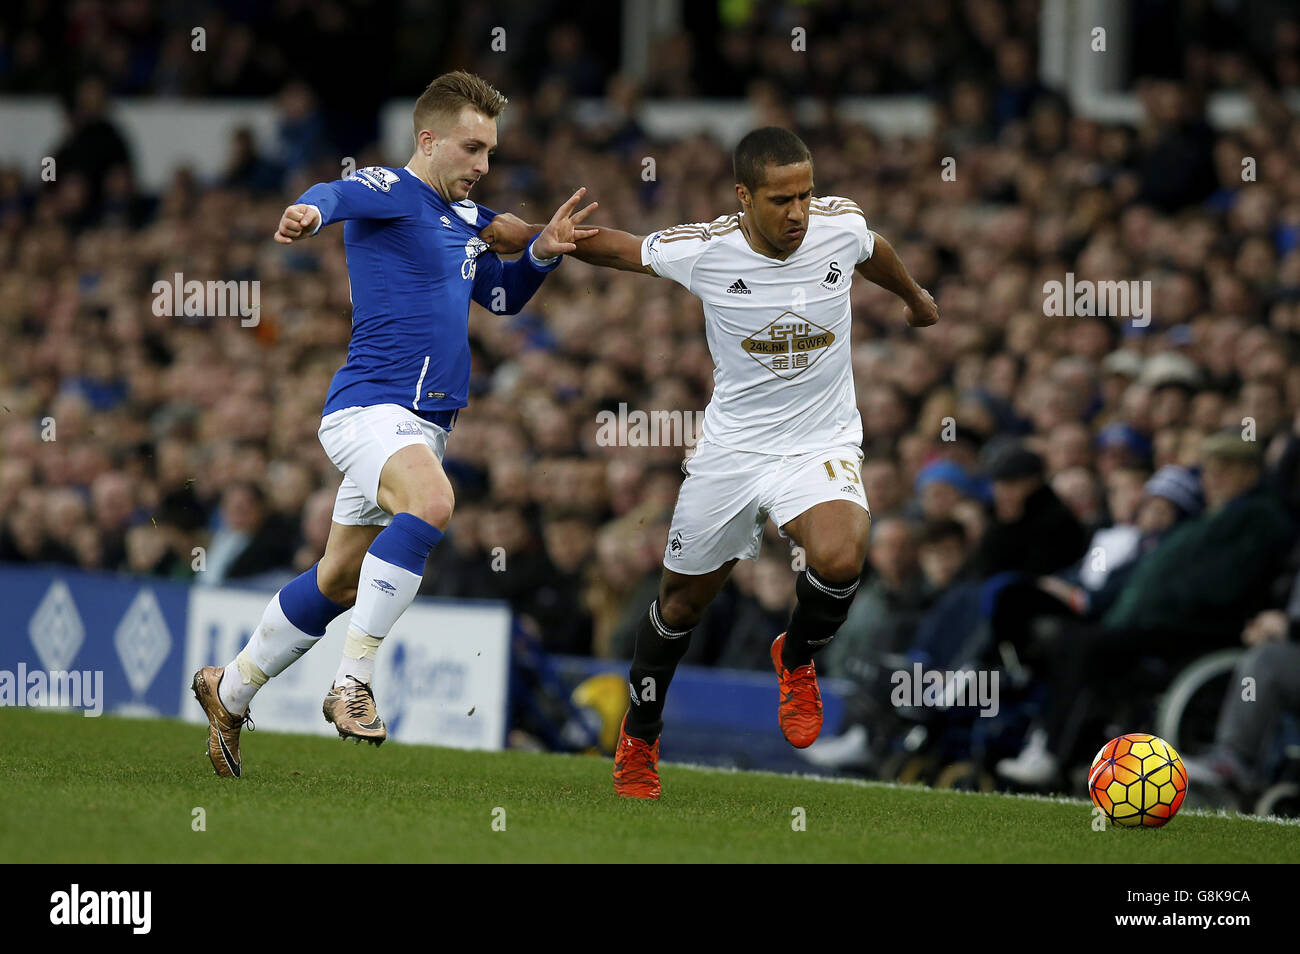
1046	538
1209	573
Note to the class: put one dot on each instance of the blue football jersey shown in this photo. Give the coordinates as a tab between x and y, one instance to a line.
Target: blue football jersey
415	261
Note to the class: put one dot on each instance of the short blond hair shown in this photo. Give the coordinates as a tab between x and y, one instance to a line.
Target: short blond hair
446	96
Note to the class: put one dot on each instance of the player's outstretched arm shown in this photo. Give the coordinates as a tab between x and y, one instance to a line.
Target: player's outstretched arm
505	287
370	193
508	233
886	269
611	248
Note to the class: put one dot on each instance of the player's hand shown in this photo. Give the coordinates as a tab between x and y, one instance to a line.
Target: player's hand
298	221
560	234
508	233
921	309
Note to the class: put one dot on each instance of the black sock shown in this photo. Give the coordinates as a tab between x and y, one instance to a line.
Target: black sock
821	609
658	651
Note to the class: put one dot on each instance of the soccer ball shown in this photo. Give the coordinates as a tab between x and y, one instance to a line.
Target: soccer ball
1138	780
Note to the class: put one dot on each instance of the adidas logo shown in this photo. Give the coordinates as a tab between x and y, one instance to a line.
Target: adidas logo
738	288
849	489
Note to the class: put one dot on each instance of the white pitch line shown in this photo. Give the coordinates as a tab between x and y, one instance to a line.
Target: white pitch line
1028	796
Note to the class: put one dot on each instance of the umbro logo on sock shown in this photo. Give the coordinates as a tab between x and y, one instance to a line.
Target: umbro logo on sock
738	288
384	586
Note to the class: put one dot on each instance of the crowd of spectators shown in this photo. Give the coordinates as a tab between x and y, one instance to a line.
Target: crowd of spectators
1000	440
356	52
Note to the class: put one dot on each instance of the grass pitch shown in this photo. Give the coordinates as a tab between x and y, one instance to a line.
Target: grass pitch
125	790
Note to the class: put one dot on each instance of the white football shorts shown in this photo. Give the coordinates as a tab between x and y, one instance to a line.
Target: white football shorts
728	496
359	441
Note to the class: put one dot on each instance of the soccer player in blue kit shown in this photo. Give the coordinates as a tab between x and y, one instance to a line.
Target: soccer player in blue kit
418	251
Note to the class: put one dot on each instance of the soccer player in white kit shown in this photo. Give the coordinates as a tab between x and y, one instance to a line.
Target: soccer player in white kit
782	435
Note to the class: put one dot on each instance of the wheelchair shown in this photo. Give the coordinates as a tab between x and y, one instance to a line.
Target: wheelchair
1187	714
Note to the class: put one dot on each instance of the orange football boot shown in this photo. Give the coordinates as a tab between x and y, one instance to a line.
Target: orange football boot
636	766
800	710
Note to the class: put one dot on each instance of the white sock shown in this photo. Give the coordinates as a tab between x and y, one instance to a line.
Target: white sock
275	644
384	591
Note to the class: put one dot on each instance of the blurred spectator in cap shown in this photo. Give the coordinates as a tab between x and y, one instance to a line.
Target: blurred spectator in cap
1121	446
1211	571
989	414
1012	460
1032	530
963	449
1172	379
1232	468
1123	363
1171	495
1170	368
939	486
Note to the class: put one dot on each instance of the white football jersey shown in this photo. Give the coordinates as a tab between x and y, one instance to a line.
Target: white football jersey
778	330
